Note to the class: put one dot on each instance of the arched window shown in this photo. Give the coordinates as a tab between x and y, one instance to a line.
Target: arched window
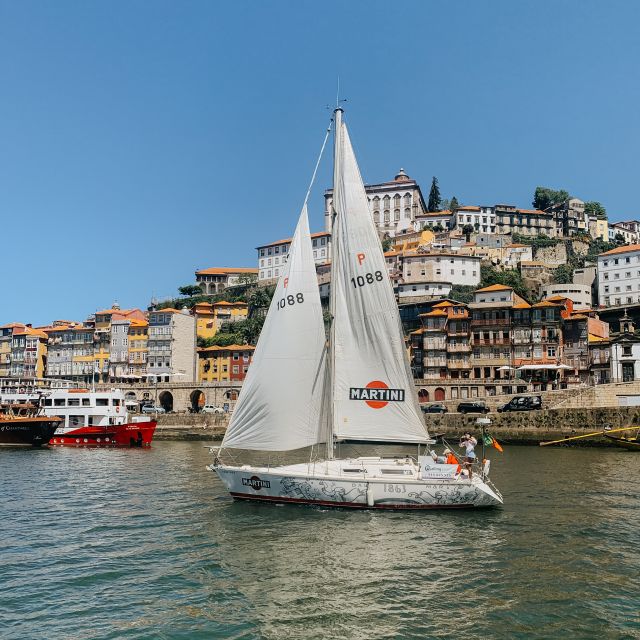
376	217
396	201
396	214
386	202
386	216
407	213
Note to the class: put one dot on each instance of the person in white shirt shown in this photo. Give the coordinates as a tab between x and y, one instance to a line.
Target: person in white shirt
469	443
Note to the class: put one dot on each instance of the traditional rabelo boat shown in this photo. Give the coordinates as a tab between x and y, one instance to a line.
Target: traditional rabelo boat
23	425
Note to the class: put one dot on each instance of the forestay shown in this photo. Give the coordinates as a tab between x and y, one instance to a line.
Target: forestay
279	404
374	395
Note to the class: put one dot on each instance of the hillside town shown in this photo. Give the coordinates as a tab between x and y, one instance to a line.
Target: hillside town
494	299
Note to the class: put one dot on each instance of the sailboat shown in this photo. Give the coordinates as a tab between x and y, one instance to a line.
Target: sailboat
308	393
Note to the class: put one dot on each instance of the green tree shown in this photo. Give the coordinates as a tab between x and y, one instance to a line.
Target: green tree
387	243
462	293
563	274
434	196
453	204
596	209
190	290
247	278
438	228
468	230
509	277
619	239
543	198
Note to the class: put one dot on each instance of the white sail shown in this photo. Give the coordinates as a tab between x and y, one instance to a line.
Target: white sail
280	403
373	394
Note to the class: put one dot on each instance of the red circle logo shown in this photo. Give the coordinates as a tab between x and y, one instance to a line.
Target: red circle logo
377	404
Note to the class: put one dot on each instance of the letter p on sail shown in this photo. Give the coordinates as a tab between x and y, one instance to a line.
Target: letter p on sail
286	282
360	257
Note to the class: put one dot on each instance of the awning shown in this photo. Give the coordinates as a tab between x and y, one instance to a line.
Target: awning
537	367
506	368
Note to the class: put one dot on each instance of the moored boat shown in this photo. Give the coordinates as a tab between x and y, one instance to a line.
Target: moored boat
21	425
93	419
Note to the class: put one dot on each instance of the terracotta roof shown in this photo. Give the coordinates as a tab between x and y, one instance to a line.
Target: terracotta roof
534	212
625	249
224	303
225	271
435	312
428	214
319	234
468	208
594	338
30	332
231	347
576	316
545	303
138	323
390	254
446	303
495	287
166	310
521	305
516	245
13	325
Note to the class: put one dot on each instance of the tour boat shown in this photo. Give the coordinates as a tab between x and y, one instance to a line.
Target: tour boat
305	391
22	425
91	418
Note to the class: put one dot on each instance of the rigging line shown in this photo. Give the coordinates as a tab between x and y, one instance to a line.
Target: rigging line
315	171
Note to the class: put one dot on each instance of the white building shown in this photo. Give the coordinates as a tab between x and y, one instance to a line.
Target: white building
625	353
435	219
482	219
629	230
172	346
433	274
619	276
579	294
272	257
394	205
217	279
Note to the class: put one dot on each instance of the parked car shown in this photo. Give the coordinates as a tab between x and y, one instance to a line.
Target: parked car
476	406
522	403
210	408
434	408
149	408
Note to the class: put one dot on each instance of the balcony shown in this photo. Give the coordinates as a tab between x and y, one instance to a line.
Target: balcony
434	362
459	364
458	348
499	322
498	342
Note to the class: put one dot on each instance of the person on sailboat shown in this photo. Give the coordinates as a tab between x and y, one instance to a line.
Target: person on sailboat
469	443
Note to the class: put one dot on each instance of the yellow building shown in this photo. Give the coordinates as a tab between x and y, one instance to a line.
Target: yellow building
28	353
210	317
138	347
219	364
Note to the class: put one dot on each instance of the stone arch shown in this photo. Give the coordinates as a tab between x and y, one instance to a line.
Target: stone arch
439	394
197	400
231	394
166	401
423	395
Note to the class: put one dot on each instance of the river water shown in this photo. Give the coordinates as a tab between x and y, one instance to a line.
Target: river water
145	544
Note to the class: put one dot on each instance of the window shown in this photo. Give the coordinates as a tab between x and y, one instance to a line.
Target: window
551	352
102	402
59	402
626	351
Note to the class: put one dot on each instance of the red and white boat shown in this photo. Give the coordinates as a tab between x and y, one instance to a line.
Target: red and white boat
90	418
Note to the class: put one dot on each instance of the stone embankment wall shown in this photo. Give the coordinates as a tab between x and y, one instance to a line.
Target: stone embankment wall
527	427
206	427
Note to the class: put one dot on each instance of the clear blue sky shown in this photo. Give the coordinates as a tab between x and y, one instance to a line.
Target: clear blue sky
142	140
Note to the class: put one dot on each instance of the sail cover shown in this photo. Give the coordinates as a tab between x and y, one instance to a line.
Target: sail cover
280	401
374	395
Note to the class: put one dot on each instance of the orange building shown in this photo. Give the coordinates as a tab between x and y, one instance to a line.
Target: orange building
218	364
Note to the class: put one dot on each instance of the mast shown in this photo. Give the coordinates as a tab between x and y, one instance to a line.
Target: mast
337	136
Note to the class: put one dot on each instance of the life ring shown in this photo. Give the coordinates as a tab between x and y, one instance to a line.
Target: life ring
117	409
22	390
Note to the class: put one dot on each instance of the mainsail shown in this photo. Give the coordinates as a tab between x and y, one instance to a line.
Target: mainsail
373	391
279	408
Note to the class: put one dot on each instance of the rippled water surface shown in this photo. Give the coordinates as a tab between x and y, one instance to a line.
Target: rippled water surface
145	544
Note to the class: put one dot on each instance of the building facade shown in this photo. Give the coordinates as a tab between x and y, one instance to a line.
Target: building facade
394	205
218	364
172	346
619	276
272	257
217	279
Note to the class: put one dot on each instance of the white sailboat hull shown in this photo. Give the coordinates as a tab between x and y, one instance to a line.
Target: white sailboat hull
370	483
